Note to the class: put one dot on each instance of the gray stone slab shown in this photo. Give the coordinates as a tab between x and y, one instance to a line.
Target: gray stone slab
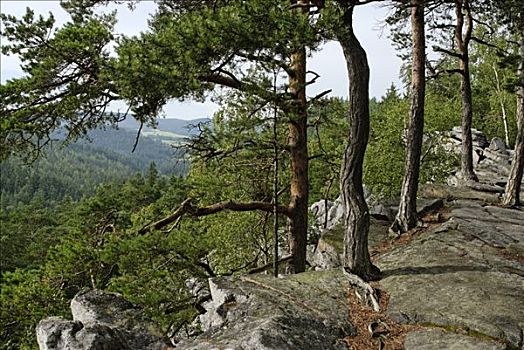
454	277
435	339
486	302
308	311
496	226
513	216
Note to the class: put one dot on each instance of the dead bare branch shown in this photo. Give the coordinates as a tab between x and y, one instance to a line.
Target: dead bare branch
187	207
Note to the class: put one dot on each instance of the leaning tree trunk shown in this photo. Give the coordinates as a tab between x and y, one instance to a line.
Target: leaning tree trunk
356	254
462	40
297	142
407	214
514	185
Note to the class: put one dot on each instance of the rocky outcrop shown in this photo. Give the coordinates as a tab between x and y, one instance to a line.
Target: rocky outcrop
327	253
492	160
101	321
461	281
303	312
327	215
308	311
465	275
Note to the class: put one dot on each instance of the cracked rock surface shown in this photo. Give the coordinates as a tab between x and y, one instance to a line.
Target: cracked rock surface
308	311
436	339
466	274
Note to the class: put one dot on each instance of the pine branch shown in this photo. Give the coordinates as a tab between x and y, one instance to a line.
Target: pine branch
188	208
221	79
484	42
268	265
446	51
319	96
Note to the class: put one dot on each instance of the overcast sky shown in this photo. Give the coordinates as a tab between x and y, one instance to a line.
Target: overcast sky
329	62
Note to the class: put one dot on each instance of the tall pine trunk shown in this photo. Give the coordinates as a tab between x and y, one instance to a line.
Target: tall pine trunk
462	39
356	253
407	214
297	142
514	185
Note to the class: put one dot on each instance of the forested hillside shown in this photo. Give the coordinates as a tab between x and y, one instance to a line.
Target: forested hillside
148	149
77	169
176	126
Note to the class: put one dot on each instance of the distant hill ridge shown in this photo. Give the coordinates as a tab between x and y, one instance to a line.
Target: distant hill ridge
106	156
173	125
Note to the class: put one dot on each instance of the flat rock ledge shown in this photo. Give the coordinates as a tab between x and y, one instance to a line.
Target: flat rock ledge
308	311
464	277
101	321
437	339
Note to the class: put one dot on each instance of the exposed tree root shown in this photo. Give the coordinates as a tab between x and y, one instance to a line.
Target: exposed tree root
375	330
364	291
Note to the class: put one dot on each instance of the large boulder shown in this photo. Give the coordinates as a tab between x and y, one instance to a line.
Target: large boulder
327	214
308	311
497	145
101	321
328	253
58	333
479	139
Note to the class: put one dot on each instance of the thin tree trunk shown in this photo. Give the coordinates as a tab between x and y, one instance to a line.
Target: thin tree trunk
297	142
407	215
502	106
275	185
356	254
462	40
513	187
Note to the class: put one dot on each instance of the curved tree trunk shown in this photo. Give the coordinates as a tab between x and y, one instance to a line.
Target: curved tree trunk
514	185
356	254
462	39
407	214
